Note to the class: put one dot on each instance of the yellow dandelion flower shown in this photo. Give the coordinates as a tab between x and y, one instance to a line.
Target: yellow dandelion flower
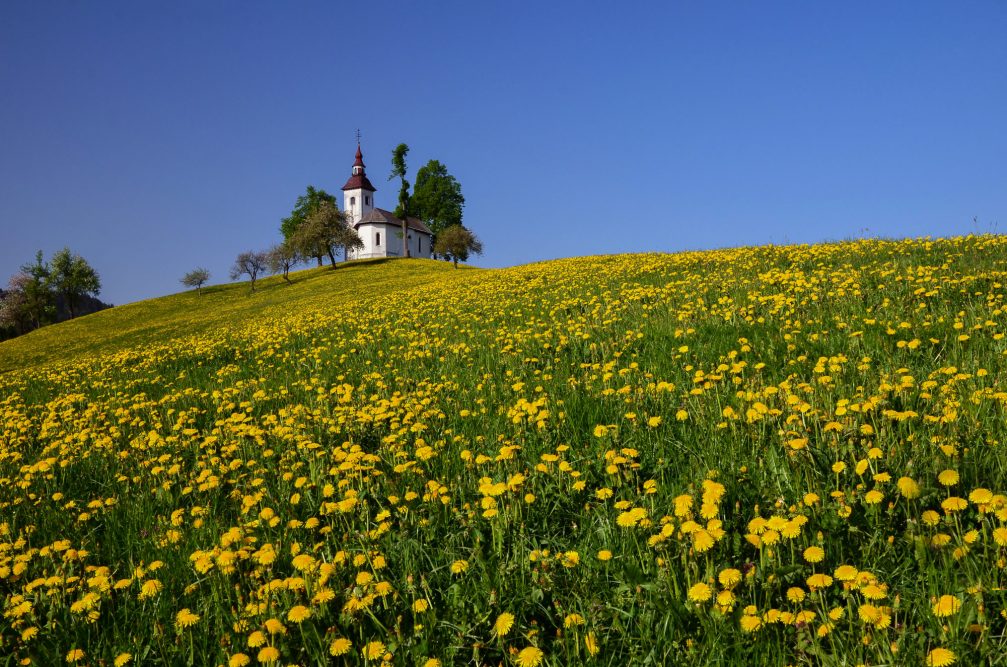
591	643
725	601
122	659
630	518
777	523
572	620
981	496
150	588
750	623
420	606
954	504
75	655
373	650
298	614
940	657
503	624
459	566
700	592
795	594
814	554
185	619
432	662
729	578
873	497
702	541
908	487
874	592
340	646
238	660
869	613
1000	536
931	518
819	581
268	654
797	443
683	504
256	639
791	530
275	627
604	555
946	605
948	477
530	656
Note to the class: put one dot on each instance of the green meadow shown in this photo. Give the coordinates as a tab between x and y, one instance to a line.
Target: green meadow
780	455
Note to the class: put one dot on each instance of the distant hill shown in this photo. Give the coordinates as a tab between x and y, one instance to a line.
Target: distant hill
85	306
156	321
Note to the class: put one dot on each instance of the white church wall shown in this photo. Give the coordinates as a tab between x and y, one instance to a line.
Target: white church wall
391	242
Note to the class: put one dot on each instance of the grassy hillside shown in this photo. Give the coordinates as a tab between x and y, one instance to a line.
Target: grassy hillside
158	321
776	455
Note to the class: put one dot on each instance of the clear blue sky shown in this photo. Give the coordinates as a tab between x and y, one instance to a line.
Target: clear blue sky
153	137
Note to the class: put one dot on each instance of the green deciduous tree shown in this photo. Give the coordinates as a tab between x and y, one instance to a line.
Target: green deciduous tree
456	243
196	278
72	277
306	204
437	197
324	232
402	210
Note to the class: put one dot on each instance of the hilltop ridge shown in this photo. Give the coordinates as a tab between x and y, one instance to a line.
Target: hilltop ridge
163	318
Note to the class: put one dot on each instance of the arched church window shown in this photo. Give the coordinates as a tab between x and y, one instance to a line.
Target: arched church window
353	201
377	239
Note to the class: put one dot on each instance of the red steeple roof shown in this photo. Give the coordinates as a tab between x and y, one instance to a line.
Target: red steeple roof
359	179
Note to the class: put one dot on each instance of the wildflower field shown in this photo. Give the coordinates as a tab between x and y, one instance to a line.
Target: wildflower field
778	455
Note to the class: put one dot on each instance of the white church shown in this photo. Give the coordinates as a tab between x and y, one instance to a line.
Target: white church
380	231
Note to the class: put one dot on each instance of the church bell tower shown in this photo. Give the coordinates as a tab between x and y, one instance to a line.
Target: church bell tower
358	193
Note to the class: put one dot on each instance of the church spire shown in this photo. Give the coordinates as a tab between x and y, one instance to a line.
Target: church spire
358	179
358	165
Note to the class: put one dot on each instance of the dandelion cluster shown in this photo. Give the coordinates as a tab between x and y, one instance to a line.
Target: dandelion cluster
771	455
